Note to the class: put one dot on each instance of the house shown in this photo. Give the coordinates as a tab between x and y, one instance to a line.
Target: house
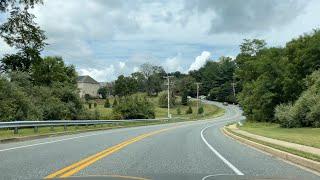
87	85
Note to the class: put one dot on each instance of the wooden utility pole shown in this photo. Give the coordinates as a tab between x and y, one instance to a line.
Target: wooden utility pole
168	84
198	95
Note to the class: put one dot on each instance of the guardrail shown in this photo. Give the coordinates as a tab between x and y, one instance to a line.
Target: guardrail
65	123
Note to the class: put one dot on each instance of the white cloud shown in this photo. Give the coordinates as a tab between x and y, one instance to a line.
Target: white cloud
200	61
172	64
135	69
100	75
122	64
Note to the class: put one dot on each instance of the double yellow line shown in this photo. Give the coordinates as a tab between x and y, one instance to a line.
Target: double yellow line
78	166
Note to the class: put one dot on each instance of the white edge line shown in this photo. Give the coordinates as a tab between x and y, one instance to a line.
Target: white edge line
231	166
37	144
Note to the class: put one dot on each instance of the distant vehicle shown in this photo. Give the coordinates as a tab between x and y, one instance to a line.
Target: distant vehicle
225	104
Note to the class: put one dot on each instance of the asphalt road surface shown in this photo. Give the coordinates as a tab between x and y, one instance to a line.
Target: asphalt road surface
187	150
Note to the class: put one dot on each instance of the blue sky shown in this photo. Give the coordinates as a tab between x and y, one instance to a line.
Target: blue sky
106	38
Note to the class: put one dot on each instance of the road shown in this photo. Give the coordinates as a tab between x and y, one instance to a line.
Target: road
186	150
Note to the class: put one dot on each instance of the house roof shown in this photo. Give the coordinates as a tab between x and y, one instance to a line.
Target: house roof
86	79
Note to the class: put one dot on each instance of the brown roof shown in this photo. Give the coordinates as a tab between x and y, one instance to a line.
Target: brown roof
86	79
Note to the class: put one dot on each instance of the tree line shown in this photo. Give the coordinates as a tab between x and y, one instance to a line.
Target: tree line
272	81
34	87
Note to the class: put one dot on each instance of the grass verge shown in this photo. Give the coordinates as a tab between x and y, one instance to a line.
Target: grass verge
304	136
289	150
210	111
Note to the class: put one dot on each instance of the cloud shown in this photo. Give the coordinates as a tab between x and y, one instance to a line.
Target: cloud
173	64
136	69
122	65
245	16
200	61
101	75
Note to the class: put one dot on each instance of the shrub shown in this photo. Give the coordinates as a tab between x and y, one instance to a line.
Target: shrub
107	103
134	107
200	110
90	104
178	111
189	110
115	102
305	112
163	100
184	98
87	97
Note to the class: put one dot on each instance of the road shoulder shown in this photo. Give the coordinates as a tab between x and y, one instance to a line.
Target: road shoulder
274	149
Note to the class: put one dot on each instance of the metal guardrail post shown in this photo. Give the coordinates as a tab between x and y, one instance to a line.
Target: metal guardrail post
35	129
51	128
65	127
15	130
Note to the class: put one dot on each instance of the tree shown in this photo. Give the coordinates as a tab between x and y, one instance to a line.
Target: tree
200	110
15	104
125	86
115	102
107	103
305	111
6	5
184	98
141	81
134	107
178	111
103	92
189	110
163	99
52	70
154	78
21	32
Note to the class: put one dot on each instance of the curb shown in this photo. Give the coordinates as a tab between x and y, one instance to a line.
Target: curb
314	165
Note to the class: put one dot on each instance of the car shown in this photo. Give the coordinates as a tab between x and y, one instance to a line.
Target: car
225	104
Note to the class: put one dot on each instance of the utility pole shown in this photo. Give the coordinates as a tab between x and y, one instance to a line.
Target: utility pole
168	81
234	90
198	95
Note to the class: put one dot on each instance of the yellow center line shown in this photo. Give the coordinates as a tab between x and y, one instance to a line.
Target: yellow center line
78	166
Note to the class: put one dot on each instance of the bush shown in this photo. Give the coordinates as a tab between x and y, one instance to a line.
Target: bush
178	111
107	103
163	100
305	112
134	107
90	104
184	98
189	110
87	97
200	110
115	102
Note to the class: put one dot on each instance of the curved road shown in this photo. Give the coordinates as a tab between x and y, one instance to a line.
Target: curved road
187	150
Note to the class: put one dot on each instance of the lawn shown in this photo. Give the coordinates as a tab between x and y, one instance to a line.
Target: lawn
305	136
210	111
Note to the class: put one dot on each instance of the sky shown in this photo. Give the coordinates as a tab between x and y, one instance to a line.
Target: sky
106	38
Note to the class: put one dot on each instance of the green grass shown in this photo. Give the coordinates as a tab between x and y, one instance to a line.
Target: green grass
210	111
289	150
305	136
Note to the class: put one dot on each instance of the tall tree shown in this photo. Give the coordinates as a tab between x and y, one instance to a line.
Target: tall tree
154	78
21	32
